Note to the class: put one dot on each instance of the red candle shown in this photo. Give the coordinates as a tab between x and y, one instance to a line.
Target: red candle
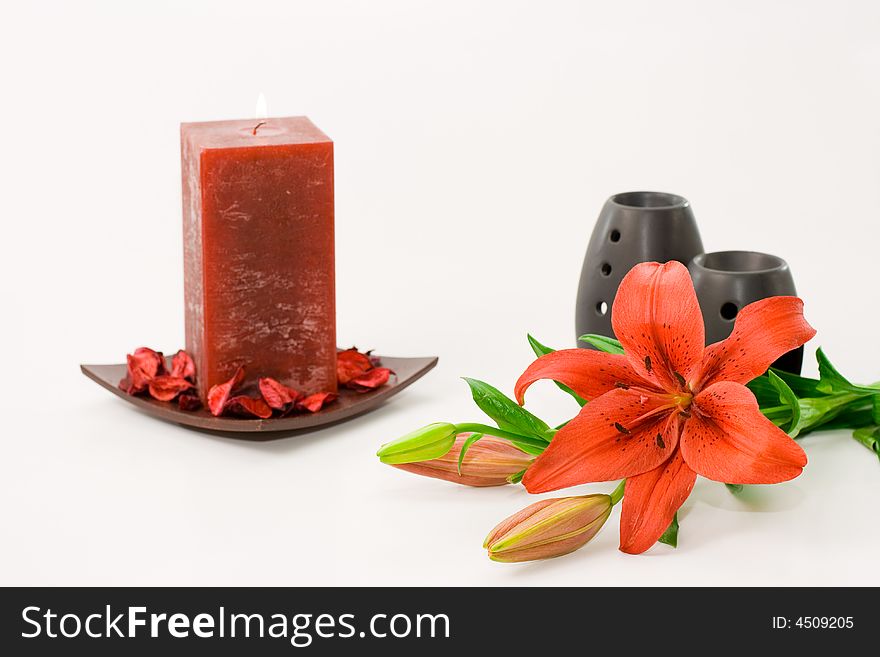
258	251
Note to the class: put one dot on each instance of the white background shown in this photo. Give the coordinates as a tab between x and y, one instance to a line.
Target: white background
475	145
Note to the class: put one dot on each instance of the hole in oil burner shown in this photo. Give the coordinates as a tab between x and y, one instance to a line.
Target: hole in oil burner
729	311
615	235
602	308
605	269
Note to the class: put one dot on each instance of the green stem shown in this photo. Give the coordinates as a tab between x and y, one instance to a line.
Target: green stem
617	494
474	427
776	411
831	407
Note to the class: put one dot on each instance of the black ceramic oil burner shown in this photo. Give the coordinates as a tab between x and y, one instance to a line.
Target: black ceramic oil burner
726	281
633	227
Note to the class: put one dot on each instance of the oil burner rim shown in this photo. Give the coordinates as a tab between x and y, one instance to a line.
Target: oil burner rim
739	263
646	201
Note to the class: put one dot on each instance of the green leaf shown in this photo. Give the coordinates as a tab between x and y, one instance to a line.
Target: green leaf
543	350
787	397
875	408
869	437
602	343
767	393
802	386
506	413
734	488
764	391
537	347
528	449
831	402
528	444
516	478
670	536
817	411
474	437
831	381
853	415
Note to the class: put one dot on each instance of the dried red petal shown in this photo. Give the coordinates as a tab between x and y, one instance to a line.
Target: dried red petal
276	394
218	395
189	402
375	378
167	387
248	407
157	357
316	402
143	366
137	379
182	365
350	364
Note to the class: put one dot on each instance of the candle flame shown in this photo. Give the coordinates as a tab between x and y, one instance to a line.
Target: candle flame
261	112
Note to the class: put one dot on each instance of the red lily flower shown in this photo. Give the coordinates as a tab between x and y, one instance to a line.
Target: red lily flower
669	408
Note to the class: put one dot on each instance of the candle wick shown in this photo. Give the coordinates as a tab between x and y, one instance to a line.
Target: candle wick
257	126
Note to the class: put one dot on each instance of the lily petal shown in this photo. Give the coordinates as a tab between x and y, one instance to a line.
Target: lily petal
650	501
728	439
658	321
589	373
764	331
620	434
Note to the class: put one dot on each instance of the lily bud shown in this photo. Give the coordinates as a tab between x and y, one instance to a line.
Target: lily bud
422	444
490	461
549	528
